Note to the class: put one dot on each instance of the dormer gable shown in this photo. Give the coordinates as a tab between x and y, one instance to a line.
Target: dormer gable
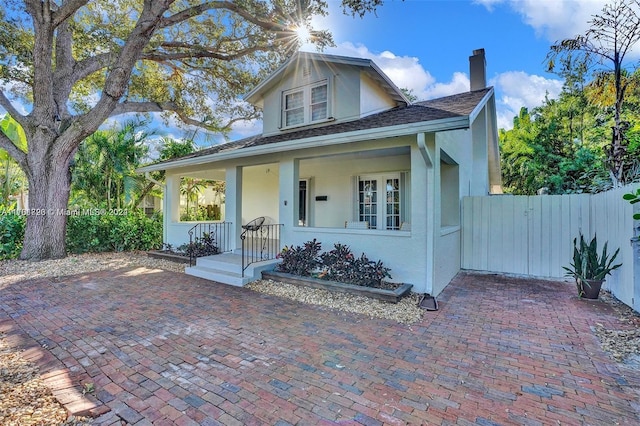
313	89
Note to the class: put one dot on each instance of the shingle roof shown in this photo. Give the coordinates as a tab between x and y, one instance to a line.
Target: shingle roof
447	107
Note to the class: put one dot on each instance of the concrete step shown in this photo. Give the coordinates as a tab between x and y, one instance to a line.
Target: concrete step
224	277
226	262
226	268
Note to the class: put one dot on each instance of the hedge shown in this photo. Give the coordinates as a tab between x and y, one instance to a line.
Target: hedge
90	233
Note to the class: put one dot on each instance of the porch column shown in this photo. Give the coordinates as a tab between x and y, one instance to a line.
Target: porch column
423	200
233	204
171	201
289	199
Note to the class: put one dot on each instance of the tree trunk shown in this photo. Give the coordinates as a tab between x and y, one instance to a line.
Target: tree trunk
7	182
45	231
144	193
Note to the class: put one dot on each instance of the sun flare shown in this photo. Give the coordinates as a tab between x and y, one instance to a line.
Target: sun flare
303	34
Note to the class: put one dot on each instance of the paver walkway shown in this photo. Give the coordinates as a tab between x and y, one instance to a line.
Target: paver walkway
165	348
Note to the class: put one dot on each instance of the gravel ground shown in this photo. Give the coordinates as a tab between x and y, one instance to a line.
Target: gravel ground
624	344
405	311
24	400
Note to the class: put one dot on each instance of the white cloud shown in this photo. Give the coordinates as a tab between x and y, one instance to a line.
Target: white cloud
406	72
553	19
459	83
516	89
246	128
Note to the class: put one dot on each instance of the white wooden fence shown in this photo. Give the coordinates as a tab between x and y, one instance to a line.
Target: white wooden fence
533	235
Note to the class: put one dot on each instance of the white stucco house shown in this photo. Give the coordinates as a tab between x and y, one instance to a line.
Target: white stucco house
345	157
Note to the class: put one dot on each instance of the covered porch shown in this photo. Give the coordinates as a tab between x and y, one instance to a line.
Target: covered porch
394	199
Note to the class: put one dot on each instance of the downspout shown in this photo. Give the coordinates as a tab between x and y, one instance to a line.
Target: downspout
422	146
430	225
147	175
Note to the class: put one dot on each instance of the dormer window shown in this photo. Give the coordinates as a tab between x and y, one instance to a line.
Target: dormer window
305	105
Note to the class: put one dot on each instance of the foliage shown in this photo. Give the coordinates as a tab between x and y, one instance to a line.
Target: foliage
201	213
201	246
13	179
300	260
170	148
11	233
89	233
633	198
562	144
539	152
588	264
114	232
367	272
191	189
104	167
77	64
338	264
612	35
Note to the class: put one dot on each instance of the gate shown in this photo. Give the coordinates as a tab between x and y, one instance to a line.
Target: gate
533	235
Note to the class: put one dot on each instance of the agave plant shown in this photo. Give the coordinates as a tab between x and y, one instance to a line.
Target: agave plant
588	264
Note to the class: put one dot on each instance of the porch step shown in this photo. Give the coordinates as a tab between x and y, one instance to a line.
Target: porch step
226	268
227	262
224	277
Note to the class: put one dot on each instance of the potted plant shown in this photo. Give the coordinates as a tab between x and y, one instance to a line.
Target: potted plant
589	268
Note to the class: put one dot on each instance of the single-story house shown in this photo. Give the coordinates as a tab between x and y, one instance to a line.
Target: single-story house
345	157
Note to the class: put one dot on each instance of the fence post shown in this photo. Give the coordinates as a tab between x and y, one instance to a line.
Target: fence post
635	243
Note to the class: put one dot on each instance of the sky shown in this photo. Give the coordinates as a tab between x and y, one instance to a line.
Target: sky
424	45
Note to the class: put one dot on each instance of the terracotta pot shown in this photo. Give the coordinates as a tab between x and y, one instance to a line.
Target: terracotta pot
590	288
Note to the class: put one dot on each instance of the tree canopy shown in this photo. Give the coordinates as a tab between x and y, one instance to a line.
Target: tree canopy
612	35
561	145
77	63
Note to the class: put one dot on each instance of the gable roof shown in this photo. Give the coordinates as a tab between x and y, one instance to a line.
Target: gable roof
463	106
367	65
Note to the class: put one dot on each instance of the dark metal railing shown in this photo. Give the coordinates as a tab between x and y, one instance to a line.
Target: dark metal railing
206	239
259	242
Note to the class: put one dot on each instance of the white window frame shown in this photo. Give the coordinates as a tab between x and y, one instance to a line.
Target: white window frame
306	202
381	199
306	91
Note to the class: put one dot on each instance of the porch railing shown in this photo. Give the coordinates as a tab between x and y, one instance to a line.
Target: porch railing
259	243
206	239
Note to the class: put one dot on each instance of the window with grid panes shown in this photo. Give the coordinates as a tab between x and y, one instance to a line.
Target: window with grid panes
306	105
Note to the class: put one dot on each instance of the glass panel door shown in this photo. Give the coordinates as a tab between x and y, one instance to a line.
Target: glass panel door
368	202
302	208
393	204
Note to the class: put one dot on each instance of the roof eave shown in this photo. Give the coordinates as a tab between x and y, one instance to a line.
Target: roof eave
254	96
478	108
445	124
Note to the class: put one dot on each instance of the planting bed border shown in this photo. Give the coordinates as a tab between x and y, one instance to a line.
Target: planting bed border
157	254
392	296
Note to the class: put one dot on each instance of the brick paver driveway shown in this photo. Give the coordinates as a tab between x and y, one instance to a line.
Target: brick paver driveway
165	348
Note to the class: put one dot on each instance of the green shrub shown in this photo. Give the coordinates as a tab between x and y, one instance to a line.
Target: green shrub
89	233
300	260
199	247
338	264
11	233
109	232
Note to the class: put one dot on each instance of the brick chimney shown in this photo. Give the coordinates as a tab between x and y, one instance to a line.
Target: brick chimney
478	70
